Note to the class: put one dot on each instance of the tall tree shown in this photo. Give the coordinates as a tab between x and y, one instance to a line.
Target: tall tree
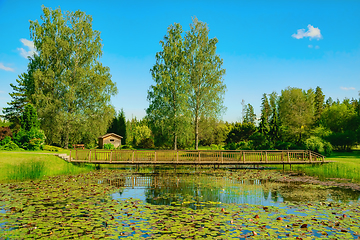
296	112
168	97
118	125
22	93
72	89
274	123
205	74
319	104
250	116
29	119
265	115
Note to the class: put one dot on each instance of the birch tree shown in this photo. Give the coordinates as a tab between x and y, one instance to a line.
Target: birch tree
72	89
168	106
205	75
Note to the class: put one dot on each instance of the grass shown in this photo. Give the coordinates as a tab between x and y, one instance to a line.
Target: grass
346	166
31	165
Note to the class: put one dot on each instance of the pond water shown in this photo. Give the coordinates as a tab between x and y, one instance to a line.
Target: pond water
164	204
171	188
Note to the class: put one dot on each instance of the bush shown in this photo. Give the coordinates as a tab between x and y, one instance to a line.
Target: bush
318	145
5	141
51	148
146	143
5	132
10	146
128	146
24	137
109	146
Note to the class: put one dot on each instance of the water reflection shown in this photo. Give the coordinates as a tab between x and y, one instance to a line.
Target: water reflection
194	189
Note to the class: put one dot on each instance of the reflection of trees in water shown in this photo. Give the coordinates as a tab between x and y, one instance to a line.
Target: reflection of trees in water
171	187
300	192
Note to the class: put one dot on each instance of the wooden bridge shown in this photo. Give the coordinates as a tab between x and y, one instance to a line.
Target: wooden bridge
192	157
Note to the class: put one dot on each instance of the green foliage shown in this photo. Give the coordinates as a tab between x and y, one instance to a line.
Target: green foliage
9	146
24	138
168	99
118	125
242	145
343	122
146	143
29	118
68	61
319	104
205	74
109	146
296	112
240	132
319	145
51	148
5	141
250	115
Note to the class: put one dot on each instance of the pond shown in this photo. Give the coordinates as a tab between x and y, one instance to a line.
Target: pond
183	204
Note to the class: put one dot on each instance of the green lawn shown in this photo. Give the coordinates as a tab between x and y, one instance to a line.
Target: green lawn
346	166
11	162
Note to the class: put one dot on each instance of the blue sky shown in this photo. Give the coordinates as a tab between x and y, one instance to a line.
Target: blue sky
266	45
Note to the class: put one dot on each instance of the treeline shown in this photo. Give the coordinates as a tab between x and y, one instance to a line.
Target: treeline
295	119
68	90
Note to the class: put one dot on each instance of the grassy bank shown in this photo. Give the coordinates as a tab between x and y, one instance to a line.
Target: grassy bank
346	166
32	165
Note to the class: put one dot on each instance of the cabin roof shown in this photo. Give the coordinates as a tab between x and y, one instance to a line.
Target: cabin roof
110	134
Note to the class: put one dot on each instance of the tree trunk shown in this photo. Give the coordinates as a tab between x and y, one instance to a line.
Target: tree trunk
175	141
66	144
196	132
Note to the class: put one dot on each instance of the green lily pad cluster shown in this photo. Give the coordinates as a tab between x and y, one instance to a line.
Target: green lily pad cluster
82	207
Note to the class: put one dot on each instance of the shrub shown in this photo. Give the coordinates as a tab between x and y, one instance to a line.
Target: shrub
35	144
5	132
128	146
10	146
51	148
109	146
5	141
318	145
146	143
24	137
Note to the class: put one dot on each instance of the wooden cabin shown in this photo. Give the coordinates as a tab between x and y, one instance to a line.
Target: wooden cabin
112	138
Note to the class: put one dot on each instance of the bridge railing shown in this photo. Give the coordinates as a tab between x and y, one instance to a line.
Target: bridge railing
195	157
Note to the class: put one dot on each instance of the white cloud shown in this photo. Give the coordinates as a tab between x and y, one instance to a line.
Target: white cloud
6	68
30	46
311	33
317	47
310	46
347	88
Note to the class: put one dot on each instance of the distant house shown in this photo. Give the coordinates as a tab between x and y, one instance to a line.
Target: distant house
112	138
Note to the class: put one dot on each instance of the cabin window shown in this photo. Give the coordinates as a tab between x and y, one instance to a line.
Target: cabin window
111	140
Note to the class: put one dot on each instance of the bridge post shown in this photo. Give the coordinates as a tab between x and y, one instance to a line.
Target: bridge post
90	156
266	157
70	156
222	158
288	156
111	155
310	157
177	156
155	156
243	153
132	158
199	156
